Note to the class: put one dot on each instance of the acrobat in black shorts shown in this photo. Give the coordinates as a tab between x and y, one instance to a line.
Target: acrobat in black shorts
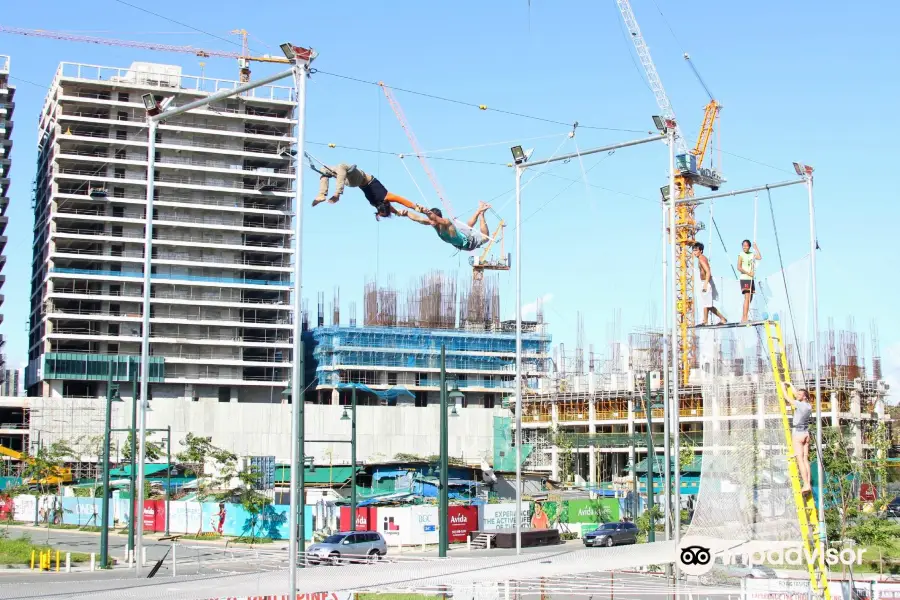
375	192
748	286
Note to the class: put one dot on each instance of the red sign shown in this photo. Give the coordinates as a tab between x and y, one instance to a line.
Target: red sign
7	507
463	521
366	518
149	514
868	492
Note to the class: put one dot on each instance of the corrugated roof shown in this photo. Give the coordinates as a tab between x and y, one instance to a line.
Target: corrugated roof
317	475
149	469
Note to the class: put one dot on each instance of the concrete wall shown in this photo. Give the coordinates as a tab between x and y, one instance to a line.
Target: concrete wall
264	429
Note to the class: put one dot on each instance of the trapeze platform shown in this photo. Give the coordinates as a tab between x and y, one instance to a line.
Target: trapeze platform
731	325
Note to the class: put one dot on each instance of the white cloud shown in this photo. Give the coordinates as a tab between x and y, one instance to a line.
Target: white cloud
530	310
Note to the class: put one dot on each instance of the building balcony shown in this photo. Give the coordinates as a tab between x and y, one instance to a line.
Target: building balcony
157	277
82	193
103	158
229	321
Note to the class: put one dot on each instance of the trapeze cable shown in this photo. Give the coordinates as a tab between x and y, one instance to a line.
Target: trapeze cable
755	213
787	293
712	204
515	141
415	183
538	174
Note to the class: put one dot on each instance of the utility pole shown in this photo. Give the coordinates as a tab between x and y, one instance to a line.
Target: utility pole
651	456
353	460
134	408
444	500
168	473
104	507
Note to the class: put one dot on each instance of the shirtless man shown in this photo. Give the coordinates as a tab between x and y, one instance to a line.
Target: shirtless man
708	293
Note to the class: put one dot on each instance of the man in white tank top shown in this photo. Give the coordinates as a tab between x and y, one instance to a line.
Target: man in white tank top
746	266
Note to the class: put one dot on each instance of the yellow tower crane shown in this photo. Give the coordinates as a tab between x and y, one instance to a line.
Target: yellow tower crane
689	172
243	57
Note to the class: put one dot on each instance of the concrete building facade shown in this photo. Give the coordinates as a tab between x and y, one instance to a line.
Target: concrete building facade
7	107
222	221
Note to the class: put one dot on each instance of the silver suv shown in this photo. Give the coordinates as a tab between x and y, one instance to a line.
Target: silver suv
348	546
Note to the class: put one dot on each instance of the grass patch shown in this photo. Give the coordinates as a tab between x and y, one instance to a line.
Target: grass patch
210	536
17	551
247	540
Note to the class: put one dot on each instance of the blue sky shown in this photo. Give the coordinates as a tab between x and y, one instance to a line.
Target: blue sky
799	81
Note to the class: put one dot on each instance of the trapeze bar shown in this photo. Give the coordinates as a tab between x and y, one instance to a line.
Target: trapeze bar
553	159
731	325
769	186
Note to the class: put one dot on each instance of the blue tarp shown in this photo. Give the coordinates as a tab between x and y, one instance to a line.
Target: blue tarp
388	394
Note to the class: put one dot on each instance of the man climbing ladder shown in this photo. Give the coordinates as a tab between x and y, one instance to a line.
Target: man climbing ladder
799	401
372	189
448	232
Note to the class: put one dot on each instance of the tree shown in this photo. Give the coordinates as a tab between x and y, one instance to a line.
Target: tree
152	452
42	472
197	452
564	446
245	493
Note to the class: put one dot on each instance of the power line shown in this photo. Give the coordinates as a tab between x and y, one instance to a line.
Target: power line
423	94
150	12
478	106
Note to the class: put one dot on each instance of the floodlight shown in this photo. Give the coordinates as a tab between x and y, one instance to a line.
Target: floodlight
664	190
660	123
803	170
288	50
518	155
150	102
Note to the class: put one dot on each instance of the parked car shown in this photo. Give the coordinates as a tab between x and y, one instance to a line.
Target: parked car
349	546
610	534
893	507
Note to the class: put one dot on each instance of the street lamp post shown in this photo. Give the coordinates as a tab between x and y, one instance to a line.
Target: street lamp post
111	396
444	498
168	473
651	457
352	419
134	409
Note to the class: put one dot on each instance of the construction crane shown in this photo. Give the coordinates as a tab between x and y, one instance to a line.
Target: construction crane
243	57
57	476
484	261
689	172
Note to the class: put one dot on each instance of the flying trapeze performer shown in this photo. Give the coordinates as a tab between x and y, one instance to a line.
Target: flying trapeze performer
372	189
800	402
448	232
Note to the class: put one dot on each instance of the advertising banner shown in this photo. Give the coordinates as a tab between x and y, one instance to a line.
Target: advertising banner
394	524
463	521
493	517
83	511
366	518
601	510
425	526
24	508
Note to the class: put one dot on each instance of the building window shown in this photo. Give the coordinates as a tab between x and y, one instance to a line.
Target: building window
122	154
122	115
119	173
112	348
392	379
421	399
121	134
489	400
224	394
123	97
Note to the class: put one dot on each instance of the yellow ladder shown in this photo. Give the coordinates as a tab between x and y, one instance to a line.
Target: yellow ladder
806	506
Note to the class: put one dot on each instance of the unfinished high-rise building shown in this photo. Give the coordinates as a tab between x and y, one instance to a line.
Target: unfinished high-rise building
220	315
7	106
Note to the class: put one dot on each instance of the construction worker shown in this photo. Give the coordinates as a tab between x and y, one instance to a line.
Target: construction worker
802	407
448	232
372	189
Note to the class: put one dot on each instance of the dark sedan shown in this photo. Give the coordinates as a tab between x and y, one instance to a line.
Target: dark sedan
611	534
